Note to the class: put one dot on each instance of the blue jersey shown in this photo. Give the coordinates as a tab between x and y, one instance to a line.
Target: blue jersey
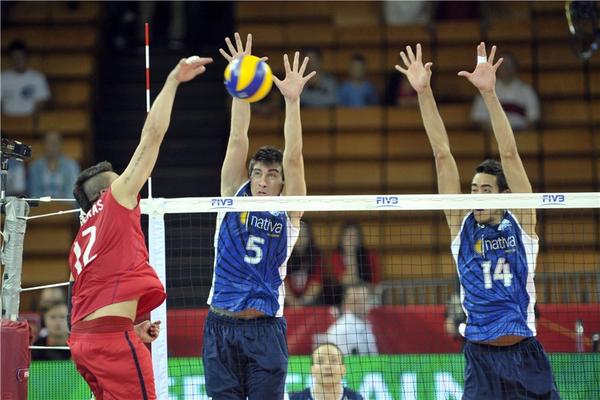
307	395
496	265
251	252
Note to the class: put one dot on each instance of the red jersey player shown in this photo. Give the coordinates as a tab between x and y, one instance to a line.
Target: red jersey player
113	284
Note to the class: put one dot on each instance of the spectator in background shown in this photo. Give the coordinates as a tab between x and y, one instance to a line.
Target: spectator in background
54	174
454	316
352	332
55	319
304	280
352	263
321	90
327	370
407	12
48	297
23	89
399	92
357	91
518	99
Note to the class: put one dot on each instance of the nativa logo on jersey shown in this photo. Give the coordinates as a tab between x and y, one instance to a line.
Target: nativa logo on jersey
266	225
500	243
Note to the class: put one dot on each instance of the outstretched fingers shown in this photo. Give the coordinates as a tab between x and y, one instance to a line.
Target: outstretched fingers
411	55
309	76
296	61
405	59
303	66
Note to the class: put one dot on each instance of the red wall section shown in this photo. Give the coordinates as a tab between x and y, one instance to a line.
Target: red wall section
398	329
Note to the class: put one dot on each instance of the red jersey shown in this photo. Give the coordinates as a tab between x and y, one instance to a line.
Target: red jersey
109	261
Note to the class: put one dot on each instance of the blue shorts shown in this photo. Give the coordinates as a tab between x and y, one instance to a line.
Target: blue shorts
245	358
520	371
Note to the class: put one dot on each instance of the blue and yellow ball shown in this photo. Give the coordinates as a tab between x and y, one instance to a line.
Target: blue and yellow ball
248	78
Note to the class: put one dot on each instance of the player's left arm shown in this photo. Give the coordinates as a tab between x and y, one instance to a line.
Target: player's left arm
293	162
484	79
126	187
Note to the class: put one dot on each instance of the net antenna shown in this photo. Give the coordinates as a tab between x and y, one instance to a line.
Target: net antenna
11	256
147	53
582	19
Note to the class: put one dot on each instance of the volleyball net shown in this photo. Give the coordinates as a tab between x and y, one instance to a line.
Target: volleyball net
399	282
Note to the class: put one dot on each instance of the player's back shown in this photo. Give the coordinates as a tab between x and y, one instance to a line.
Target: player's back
109	260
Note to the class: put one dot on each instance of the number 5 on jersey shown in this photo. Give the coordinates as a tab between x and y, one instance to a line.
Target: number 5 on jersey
254	250
91	231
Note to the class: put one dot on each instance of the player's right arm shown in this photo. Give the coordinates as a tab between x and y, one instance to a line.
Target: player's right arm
419	77
233	171
127	186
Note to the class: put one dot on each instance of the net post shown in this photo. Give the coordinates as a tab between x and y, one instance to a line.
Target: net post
12	256
156	248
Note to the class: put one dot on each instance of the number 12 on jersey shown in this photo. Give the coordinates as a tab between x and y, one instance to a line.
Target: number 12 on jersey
91	231
501	272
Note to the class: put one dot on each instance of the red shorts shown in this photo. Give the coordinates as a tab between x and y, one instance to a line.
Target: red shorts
112	359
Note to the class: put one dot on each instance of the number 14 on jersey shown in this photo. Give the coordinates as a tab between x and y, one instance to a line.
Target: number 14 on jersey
501	272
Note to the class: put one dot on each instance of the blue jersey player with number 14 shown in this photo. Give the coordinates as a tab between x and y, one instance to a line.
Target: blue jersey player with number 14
245	349
495	250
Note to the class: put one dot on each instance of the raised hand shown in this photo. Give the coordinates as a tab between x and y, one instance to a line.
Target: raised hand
292	85
418	75
189	68
239	49
484	75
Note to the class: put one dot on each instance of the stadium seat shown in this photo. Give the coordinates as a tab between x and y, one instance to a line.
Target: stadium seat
401	36
66	121
363	118
503	31
406	145
71	93
458	31
41	270
51	38
568	141
351	36
359	145
561	84
410	174
565	112
264	34
308	34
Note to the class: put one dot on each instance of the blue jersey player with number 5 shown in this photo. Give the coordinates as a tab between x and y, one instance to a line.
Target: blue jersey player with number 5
245	347
495	250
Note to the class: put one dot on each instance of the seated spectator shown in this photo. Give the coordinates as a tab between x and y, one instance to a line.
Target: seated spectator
352	332
407	12
399	92
55	319
357	91
16	185
327	370
48	296
24	90
352	263
321	90
519	100
304	279
53	174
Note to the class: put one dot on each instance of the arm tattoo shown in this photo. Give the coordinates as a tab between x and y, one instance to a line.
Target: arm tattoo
138	160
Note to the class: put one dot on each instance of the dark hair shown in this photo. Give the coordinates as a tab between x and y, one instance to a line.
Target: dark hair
359	57
312	355
266	155
306	259
365	268
315	50
17	45
52	304
508	55
493	167
84	199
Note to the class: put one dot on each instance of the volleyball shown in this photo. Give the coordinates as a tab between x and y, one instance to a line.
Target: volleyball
248	78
